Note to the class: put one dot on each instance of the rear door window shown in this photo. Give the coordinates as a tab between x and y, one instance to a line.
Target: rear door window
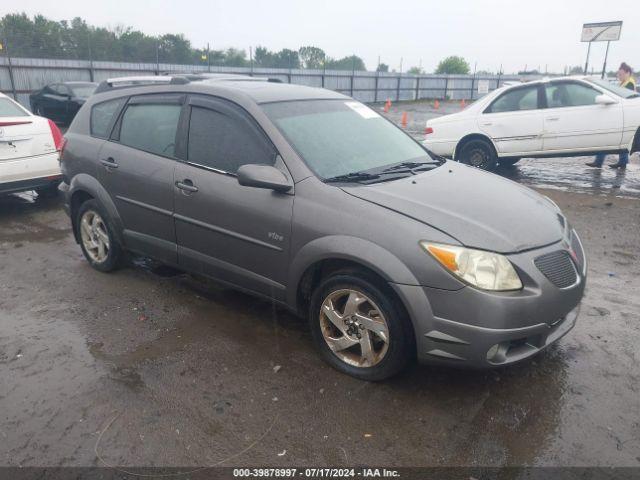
516	100
224	141
151	127
59	89
102	117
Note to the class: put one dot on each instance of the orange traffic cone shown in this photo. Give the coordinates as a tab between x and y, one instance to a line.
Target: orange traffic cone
404	120
436	104
463	103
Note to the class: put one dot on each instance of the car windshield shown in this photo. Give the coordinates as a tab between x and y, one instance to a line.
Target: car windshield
10	109
83	91
338	138
619	91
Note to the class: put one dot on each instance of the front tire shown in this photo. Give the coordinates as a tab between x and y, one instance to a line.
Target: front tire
508	162
97	241
358	328
478	153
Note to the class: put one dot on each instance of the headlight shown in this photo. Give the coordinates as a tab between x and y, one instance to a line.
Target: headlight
485	270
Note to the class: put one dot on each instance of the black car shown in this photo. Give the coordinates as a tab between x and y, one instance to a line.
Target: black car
61	101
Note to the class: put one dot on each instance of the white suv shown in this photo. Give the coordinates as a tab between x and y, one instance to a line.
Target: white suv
546	118
29	150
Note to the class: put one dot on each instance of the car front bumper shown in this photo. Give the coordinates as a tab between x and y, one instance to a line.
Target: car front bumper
479	329
444	148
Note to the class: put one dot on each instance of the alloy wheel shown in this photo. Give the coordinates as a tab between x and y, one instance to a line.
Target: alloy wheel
94	235
354	328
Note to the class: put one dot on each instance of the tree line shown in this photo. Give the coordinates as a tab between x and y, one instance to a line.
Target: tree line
40	37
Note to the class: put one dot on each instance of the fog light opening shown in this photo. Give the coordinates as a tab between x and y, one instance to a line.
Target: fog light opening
493	351
497	353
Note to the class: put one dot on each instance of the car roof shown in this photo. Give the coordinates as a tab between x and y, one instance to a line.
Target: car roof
267	92
253	89
547	80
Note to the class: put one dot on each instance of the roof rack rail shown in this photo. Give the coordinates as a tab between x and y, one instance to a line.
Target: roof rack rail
137	81
177	79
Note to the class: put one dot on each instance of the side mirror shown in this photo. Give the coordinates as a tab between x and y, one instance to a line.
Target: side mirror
263	176
604	100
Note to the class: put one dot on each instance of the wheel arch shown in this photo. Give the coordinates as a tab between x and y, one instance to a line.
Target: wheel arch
473	136
84	187
635	142
323	256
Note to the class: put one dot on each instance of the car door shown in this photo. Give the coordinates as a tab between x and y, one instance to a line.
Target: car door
50	102
237	234
65	101
573	121
514	121
136	168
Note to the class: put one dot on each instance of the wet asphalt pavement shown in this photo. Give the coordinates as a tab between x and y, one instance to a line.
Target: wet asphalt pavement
147	367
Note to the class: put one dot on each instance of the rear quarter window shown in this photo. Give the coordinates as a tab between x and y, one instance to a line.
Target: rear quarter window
103	115
10	109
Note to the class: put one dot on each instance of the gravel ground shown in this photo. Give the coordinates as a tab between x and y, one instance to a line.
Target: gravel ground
147	367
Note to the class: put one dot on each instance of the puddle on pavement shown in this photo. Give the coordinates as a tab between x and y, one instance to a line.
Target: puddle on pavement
18	224
572	175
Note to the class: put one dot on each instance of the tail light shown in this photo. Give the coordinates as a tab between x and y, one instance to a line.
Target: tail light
62	145
428	130
58	139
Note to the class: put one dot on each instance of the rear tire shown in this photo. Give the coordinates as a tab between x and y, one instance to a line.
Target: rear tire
478	153
50	191
97	240
374	343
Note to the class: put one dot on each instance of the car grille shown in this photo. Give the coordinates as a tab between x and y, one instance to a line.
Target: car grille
558	268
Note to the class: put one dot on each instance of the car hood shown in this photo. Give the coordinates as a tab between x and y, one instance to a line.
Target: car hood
479	209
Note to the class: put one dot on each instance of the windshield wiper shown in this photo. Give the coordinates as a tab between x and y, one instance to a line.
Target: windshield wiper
410	166
353	177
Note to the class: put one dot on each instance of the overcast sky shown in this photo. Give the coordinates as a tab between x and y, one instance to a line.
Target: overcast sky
490	32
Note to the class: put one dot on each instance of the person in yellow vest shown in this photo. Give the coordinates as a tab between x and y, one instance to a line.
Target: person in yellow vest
625	77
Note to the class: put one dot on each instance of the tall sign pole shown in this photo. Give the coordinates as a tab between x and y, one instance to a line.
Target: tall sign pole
600	32
604	65
586	64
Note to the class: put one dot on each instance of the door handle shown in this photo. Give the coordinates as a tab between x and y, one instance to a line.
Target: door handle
553	119
488	124
187	186
109	163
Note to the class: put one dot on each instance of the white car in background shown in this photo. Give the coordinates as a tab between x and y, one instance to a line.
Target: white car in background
29	150
571	116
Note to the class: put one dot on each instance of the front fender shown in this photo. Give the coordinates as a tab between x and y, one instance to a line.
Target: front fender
90	185
359	250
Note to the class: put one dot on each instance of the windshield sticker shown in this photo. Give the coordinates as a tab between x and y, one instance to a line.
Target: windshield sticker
362	110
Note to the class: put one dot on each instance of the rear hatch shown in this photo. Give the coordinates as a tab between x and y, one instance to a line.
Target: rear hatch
24	137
